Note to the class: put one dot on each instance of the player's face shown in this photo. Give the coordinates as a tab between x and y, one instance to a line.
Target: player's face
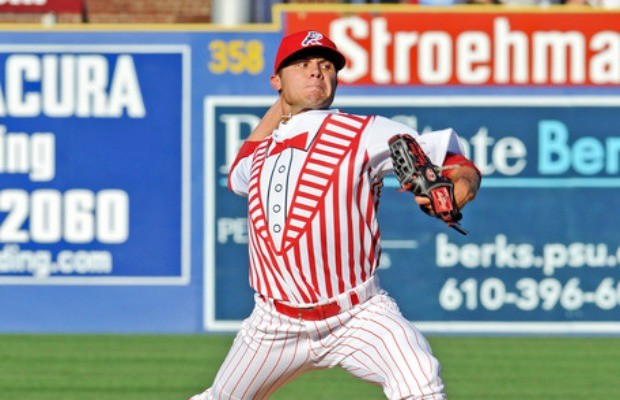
307	83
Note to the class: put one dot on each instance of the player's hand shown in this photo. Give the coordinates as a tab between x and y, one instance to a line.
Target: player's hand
466	184
425	204
268	123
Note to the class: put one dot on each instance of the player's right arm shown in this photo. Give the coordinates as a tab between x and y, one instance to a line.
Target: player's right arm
268	123
239	174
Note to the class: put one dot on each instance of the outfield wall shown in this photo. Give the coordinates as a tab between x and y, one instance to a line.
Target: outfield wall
115	143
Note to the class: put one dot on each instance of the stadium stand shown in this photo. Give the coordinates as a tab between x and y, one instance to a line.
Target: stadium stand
200	11
120	11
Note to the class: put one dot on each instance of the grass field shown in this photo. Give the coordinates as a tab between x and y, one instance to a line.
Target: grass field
129	367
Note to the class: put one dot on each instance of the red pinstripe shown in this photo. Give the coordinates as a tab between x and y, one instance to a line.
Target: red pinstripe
362	239
270	268
311	286
286	336
380	353
370	222
371	357
376	188
278	264
329	244
328	271
369	374
324	257
260	274
391	332
295	267
411	348
356	350
284	347
350	221
288	377
257	216
396	363
255	232
315	276
224	371
245	151
337	239
387	316
374	253
366	343
332	279
257	370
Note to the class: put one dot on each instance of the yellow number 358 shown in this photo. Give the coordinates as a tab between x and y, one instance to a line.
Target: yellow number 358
236	56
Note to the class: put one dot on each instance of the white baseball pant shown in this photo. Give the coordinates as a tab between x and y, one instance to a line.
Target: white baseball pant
372	341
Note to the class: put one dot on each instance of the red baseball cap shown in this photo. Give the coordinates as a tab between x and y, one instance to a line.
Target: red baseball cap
301	41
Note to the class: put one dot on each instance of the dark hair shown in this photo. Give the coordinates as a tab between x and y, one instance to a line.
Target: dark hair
328	54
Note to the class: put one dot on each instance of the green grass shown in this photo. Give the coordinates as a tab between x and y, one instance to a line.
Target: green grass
128	367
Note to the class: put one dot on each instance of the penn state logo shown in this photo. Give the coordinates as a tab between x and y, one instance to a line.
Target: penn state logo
312	39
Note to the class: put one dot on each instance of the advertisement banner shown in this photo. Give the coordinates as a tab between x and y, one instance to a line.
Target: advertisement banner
537	253
470	48
92	170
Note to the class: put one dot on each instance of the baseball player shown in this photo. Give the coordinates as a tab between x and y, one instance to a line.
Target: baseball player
313	178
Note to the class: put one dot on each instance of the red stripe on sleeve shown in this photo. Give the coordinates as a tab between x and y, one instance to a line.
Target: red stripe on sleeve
246	150
460	160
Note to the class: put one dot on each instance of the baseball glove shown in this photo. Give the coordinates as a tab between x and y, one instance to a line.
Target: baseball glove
418	175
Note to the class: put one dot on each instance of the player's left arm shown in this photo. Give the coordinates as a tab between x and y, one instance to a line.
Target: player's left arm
442	146
465	176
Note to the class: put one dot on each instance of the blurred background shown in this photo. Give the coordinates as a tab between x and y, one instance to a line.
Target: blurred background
207	11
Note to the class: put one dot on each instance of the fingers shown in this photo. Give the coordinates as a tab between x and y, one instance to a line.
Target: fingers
422	201
425	204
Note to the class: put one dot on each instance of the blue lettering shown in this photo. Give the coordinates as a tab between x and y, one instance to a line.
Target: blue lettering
554	153
588	156
613	153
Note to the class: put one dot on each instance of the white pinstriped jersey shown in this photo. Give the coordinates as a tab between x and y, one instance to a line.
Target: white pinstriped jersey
313	190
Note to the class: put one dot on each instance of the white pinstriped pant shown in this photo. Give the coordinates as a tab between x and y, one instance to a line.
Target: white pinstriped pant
372	341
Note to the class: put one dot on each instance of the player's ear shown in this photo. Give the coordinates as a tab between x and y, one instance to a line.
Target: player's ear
276	82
